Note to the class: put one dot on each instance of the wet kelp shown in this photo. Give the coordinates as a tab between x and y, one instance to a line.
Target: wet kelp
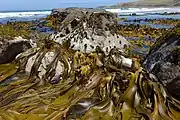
78	86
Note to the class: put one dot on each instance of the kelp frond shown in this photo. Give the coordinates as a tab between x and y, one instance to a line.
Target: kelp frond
89	87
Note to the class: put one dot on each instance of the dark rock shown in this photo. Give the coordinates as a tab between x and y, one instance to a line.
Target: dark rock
9	49
85	29
164	61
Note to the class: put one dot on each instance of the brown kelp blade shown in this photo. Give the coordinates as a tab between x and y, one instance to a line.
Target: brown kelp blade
85	89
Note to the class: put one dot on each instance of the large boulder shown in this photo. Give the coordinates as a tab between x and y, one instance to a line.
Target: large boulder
164	61
9	49
85	29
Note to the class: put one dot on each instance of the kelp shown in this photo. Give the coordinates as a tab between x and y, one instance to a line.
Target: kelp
90	87
7	70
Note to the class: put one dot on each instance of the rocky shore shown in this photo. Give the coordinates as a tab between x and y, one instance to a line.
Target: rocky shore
85	70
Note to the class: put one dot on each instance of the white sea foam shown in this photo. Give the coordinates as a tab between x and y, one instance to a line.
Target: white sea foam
141	11
23	14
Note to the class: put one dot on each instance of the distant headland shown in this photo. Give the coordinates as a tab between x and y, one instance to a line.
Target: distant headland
146	4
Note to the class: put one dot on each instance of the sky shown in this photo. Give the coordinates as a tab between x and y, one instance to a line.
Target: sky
9	5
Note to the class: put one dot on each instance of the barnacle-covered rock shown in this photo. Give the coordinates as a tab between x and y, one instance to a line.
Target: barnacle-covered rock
85	29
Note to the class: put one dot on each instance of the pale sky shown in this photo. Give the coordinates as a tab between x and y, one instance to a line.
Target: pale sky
50	4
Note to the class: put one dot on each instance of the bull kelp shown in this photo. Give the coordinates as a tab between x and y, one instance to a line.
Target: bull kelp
72	85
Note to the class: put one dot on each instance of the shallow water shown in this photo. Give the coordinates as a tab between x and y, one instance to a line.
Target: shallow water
14	19
147	23
43	29
146	38
132	20
155	16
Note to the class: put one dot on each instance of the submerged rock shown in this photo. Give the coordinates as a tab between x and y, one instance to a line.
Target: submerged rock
9	49
164	61
85	29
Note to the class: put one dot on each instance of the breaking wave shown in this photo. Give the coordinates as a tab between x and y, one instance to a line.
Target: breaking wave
142	11
24	14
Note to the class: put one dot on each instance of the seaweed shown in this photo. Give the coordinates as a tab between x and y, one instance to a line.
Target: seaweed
16	29
91	86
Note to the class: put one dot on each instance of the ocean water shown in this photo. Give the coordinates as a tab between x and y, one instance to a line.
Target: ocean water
23	15
144	11
141	13
150	13
147	13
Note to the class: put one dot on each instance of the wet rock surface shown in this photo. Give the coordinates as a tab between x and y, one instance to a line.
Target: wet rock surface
85	29
9	49
164	61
